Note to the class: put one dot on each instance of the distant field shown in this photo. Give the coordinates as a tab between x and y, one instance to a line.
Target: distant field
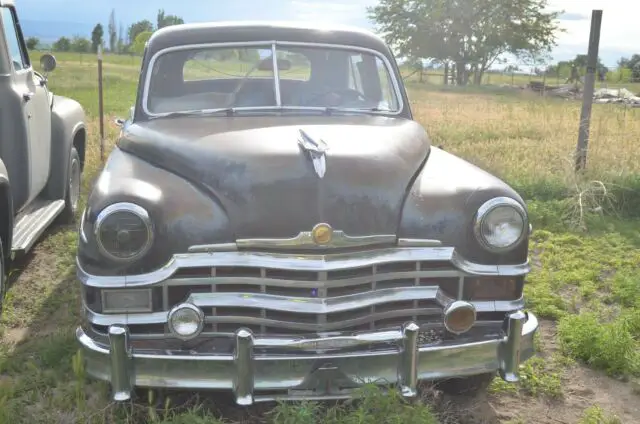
585	283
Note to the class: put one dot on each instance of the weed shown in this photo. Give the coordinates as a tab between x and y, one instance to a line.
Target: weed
596	415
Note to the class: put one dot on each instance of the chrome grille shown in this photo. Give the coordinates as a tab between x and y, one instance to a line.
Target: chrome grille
348	287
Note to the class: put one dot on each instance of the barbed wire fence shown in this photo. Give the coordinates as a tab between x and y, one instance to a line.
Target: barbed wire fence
512	75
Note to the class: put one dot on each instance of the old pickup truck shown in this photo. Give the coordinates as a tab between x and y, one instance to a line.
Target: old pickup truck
42	145
274	223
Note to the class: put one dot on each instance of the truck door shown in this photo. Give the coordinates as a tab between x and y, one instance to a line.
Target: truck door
33	99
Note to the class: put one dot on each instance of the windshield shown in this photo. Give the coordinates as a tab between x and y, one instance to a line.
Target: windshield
223	77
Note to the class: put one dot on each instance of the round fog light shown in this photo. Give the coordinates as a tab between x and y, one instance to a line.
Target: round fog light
459	317
186	321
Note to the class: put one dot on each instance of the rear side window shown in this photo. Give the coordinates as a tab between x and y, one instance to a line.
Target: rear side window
16	52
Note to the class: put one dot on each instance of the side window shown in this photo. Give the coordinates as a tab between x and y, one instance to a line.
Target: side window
17	54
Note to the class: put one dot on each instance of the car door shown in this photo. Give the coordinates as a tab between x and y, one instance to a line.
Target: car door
34	101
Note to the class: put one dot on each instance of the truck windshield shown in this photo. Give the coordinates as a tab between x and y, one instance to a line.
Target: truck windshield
248	77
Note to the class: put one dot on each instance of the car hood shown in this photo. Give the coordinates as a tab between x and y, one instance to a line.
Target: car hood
256	170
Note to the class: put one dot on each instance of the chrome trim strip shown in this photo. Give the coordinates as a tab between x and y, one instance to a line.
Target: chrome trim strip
305	284
304	240
389	68
408	242
321	327
161	317
314	306
218	247
307	262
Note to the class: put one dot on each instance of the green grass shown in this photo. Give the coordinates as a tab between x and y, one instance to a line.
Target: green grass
585	254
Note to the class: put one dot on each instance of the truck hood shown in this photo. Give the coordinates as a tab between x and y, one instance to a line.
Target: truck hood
256	170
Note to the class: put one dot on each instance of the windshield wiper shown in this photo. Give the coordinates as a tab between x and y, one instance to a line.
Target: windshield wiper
229	111
328	110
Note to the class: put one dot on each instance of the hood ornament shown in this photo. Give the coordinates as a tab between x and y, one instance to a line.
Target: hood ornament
316	151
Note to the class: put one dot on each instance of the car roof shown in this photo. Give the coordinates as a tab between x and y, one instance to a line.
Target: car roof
267	31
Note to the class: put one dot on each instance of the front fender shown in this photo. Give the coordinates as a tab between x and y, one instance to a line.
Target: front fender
442	203
67	124
181	214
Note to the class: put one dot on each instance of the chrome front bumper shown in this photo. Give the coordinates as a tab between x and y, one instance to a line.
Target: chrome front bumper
254	374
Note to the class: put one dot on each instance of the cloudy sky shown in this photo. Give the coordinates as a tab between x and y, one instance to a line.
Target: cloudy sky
620	32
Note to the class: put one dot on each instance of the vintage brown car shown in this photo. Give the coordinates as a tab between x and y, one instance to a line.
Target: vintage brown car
274	223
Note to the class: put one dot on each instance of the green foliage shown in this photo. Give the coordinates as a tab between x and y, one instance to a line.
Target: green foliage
612	346
63	44
32	43
80	45
471	33
96	37
141	41
167	20
139	27
596	415
370	405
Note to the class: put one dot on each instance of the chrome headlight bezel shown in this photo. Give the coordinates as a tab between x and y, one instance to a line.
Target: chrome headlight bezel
484	212
131	208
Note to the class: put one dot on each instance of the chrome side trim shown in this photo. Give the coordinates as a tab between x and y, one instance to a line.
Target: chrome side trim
307	262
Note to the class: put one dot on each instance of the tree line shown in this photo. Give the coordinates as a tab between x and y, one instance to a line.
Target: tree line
117	40
468	37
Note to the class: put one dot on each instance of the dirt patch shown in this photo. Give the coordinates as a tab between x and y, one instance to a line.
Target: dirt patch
582	388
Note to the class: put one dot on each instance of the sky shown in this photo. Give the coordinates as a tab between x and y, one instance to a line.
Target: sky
619	36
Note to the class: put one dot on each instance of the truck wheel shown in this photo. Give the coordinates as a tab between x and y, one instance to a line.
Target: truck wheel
72	198
467	386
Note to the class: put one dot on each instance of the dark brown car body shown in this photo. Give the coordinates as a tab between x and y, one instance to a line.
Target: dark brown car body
244	184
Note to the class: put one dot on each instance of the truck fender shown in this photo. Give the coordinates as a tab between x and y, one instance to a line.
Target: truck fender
67	129
6	211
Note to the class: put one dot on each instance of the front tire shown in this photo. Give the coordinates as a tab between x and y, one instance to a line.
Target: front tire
466	386
74	183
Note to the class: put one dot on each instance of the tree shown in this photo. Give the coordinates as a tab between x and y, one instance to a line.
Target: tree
121	43
113	36
167	20
141	41
80	44
96	37
63	44
32	43
139	27
471	33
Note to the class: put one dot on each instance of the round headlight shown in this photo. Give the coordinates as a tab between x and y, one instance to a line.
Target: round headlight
123	231
500	224
186	321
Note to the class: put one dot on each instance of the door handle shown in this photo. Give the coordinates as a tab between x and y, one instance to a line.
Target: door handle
28	95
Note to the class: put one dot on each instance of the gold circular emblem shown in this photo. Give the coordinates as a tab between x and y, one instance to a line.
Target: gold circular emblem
322	233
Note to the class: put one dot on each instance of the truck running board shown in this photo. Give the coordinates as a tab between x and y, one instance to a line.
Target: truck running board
32	222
